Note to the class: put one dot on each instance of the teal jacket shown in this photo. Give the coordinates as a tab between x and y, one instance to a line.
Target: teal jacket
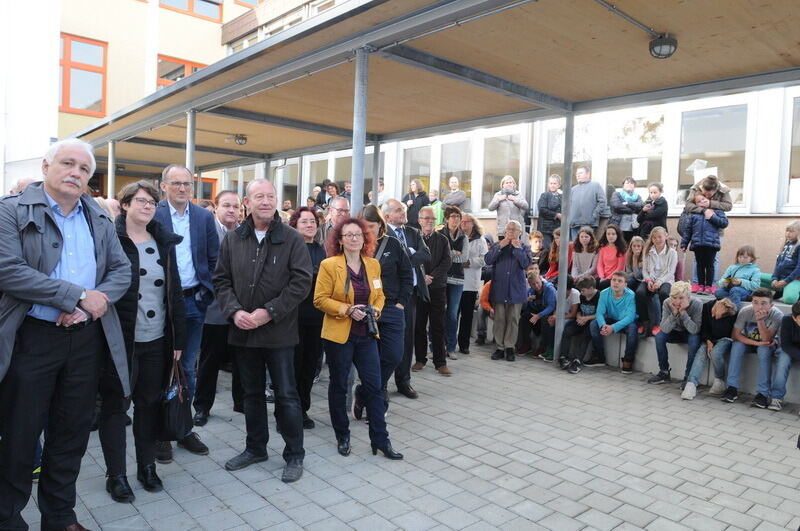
749	274
623	310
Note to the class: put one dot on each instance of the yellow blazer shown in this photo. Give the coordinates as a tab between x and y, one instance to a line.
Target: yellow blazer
330	298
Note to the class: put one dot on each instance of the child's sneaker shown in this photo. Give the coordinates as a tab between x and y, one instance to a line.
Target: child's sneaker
775	405
627	367
760	401
548	355
717	388
563	362
660	378
655	330
689	392
711	289
696	287
575	367
731	394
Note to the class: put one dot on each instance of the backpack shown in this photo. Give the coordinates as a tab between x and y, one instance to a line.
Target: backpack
683	222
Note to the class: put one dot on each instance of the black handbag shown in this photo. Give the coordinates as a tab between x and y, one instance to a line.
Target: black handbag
176	411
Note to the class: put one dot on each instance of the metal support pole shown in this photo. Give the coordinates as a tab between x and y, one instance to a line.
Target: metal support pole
240	183
359	130
111	178
563	265
298	199
191	120
376	169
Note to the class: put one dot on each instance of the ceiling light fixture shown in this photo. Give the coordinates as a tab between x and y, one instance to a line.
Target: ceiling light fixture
663	46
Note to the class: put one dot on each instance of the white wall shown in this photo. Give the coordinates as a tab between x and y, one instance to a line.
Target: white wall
29	97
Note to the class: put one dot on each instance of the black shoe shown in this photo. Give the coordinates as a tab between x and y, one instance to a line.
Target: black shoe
308	423
407	391
388	451
464	350
149	479
575	367
292	471
358	405
164	452
731	394
243	460
192	444
498	354
595	361
510	356
683	383
343	446
481	340
200	418
119	489
563	362
660	378
238	408
269	396
760	401
128	420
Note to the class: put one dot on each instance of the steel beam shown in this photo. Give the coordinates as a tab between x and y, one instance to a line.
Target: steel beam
359	130
426	19
280	121
111	176
132	162
231	164
191	121
205	149
438	65
563	261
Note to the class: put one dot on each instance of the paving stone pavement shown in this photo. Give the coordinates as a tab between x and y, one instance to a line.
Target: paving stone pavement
498	445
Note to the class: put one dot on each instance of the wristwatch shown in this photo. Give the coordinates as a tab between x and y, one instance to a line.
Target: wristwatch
83	295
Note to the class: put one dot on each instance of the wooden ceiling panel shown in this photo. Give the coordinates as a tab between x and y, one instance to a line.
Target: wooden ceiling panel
578	50
400	97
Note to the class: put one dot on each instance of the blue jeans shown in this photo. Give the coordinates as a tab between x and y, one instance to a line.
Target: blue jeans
736	294
454	292
363	352
772	378
721	349
392	327
662	338
194	334
735	365
631	339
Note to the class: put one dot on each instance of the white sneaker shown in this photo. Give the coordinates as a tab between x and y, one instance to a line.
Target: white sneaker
718	387
689	392
452	356
775	405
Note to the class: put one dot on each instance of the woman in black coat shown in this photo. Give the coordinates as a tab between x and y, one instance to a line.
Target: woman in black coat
308	351
654	211
549	207
152	317
415	199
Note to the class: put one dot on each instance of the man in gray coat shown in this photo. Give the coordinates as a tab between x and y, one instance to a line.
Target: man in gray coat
587	202
62	268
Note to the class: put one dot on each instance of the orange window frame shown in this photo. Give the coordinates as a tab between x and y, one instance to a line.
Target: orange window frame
247	4
67	64
192	12
187	66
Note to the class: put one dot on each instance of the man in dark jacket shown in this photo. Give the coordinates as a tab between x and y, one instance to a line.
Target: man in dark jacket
197	258
263	275
61	271
433	310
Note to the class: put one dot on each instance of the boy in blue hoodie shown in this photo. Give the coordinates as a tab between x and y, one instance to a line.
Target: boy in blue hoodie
540	305
616	312
740	279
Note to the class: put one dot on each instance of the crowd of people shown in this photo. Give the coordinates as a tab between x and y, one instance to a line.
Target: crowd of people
104	300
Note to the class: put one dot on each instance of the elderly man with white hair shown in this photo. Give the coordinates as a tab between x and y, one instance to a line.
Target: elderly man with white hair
62	268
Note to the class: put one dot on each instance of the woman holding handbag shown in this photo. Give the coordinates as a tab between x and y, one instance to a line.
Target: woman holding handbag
350	292
152	316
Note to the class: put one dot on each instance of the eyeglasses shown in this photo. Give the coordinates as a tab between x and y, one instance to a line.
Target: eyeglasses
181	184
353	236
141	201
341	210
425	217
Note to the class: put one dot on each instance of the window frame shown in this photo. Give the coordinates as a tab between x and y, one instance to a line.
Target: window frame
190	11
67	64
187	65
244	3
785	161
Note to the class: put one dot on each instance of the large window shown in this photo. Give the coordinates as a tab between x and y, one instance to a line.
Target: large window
416	165
248	3
208	190
793	197
291	184
500	158
634	150
716	139
83	76
456	162
208	9
318	170
171	70
581	148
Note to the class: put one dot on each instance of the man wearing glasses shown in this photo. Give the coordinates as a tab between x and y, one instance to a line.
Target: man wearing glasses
338	210
197	258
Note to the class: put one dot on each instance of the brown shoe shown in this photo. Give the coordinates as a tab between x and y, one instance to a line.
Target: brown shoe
417	367
75	527
444	371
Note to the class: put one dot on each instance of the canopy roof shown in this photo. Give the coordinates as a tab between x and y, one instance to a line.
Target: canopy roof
448	66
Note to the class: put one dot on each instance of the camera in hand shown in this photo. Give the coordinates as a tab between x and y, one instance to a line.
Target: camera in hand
507	192
369	319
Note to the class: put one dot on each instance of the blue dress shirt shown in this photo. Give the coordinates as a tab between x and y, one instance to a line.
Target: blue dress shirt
183	251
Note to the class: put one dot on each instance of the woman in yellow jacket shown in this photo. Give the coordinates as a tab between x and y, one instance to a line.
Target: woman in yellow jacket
350	293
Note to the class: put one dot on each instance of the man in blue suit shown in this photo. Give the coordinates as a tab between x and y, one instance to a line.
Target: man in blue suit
197	258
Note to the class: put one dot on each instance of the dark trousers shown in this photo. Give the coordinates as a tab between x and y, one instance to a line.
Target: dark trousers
433	312
214	351
307	354
705	264
392	326
253	363
53	372
402	374
467	311
575	340
361	351
151	362
652	302
526	328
